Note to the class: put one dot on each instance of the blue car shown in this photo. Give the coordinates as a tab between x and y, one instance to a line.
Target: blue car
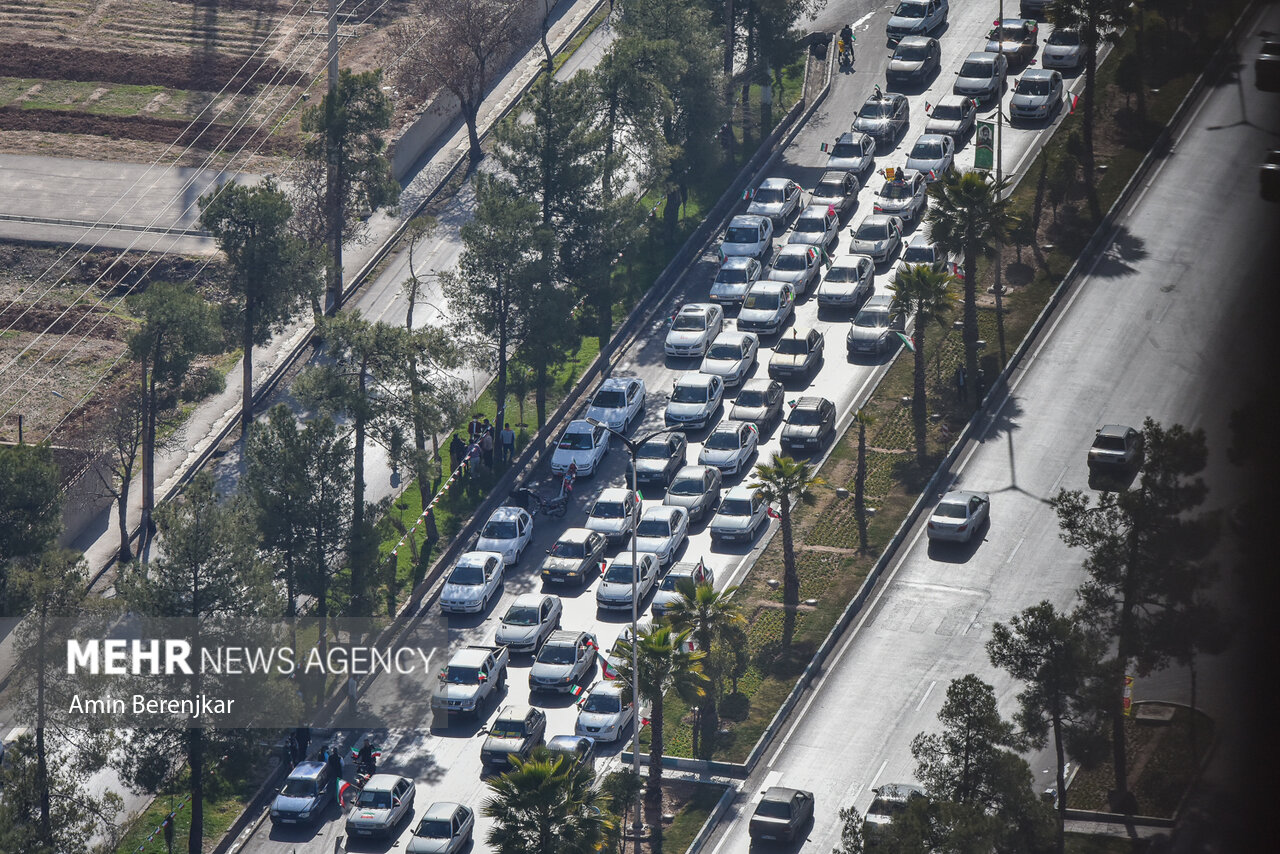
306	793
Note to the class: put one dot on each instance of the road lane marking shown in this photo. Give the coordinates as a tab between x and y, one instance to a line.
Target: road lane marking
879	771
927	692
1016	546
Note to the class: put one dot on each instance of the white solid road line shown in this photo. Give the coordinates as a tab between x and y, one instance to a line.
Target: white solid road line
927	692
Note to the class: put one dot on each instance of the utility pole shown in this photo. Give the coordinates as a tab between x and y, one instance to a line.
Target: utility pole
333	199
999	287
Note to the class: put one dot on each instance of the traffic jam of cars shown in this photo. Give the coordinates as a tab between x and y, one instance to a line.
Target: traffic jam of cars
746	366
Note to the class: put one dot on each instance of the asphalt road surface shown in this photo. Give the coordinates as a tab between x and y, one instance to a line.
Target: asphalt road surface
445	760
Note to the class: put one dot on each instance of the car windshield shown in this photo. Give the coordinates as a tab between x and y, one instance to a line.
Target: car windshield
455	675
688	394
948	112
951	511
811	225
793	346
884	806
654	528
736	507
466	575
689	322
434	829
298	788
919	254
912	52
731	352
1032	86
846	149
499	531
897	189
521	616
872	319
608	510
575	442
609	399
1067	38
769	196
1007	34
792	260
655	449
508	729
977	69
557	654
876	110
741	234
930	149
687	486
732	275
1109	443
723	440
566	549
750	397
833	187
374	800
673	579
766	300
805	417
602	703
909	10
619	573
774	809
842	273
873	231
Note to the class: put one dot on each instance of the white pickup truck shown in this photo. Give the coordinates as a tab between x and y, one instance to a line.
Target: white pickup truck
474	674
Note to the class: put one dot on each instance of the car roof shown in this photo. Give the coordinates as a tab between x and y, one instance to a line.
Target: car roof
532	600
781	793
580	425
982	56
877	219
694	378
834	175
920	238
469	657
477	558
769	285
758	384
774	183
801	248
659	511
512	713
624	556
697	308
1038	74
1117	430
884	96
606	686
898	791
800	331
441	811
878	302
735	261
931	137
613	493
563	637
953	100
741	490
507	513
851	136
809	402
1016	22
574	535
852	260
961	495
732	336
308	770
382	782
566	742
748	220
915	41
813	210
617	383
730	425
691	471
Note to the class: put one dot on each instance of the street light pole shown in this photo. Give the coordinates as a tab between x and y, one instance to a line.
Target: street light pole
999	287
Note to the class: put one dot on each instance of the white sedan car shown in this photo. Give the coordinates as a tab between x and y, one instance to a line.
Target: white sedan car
662	530
767	307
476	578
848	282
817	225
958	516
694	400
615	513
693	329
529	621
932	155
878	237
606	712
614	590
730	446
582	445
797	263
507	532
618	403
731	357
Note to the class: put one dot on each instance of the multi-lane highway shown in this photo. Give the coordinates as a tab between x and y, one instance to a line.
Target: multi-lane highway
445	760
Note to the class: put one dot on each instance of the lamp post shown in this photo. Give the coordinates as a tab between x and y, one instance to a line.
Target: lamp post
999	287
633	446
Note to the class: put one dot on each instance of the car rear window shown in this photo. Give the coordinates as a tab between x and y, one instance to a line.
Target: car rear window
774	809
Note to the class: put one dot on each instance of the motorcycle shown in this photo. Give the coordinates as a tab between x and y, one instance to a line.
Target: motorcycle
845	53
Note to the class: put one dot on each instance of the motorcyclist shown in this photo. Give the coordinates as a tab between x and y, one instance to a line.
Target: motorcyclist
367	758
846	42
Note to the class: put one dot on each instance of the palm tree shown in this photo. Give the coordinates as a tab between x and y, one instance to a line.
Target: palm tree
707	616
787	482
863	419
665	663
921	292
971	214
546	805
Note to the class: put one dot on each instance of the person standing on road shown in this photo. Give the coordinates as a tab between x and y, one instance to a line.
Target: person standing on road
508	437
486	448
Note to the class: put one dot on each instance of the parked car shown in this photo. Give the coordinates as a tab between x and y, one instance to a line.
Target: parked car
837	188
661	457
798	262
914	60
810	424
618	403
1062	49
736	276
797	354
695	399
474	675
958	515
767	307
472	583
614	513
680	579
848	282
581	445
575	557
741	515
731	357
696	489
693	329
905	197
953	115
852	152
565	660
1038	96
1015	38
529	621
606	712
931	156
758	401
981	76
730	446
578	749
305	795
878	236
1116	446
383	803
874	327
614	591
445	828
915	18
661	532
781	814
748	235
516	732
817	225
507	532
884	117
776	198
890	800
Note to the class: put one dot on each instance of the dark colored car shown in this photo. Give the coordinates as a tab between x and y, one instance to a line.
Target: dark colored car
658	459
811	423
884	117
797	354
1116	447
1016	38
759	401
516	732
580	749
575	557
304	795
781	814
914	60
696	489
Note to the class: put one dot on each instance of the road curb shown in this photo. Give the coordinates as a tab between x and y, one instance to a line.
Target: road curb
717	813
